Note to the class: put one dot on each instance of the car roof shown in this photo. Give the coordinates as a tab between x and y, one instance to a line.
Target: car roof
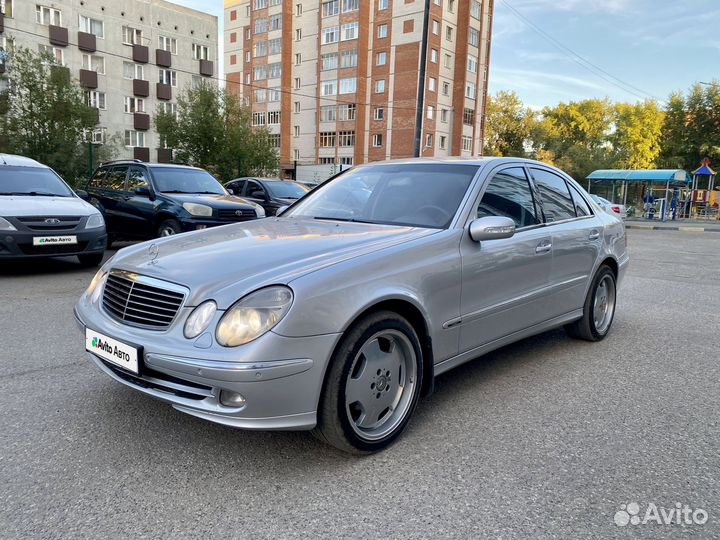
454	160
20	161
146	164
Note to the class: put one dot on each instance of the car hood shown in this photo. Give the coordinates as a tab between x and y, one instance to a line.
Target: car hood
216	201
225	263
29	205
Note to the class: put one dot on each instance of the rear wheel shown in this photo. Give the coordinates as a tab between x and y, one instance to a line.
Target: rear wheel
169	227
91	261
599	308
373	385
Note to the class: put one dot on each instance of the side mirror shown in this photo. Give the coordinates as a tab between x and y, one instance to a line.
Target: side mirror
84	195
143	191
491	228
230	191
281	210
258	195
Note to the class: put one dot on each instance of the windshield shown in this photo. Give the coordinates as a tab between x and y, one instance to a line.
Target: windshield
286	190
416	195
32	181
177	180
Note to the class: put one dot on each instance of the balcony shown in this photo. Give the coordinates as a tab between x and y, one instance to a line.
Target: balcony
163	91
59	36
141	54
165	155
141	88
141	121
163	58
87	42
141	153
206	68
88	79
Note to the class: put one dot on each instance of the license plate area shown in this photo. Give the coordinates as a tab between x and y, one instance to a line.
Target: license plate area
118	353
54	240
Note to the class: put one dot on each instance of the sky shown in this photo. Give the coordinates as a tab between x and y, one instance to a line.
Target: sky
628	50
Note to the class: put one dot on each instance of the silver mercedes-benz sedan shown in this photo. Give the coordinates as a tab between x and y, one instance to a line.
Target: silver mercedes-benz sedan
337	315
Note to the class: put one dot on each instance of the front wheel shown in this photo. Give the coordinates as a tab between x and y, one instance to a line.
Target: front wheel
373	385
599	308
169	227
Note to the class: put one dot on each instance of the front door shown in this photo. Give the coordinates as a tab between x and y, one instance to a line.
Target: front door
138	208
503	281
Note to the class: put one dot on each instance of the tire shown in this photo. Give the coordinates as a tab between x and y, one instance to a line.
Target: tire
601	297
169	227
379	361
91	261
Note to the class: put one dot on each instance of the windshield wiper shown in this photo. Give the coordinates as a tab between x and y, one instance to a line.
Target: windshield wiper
177	191
32	193
346	220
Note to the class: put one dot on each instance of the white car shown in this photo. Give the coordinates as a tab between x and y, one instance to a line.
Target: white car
618	210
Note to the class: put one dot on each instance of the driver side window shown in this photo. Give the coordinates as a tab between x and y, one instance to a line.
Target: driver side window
508	195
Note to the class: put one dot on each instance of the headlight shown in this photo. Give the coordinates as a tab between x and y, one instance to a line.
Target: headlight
93	291
259	211
199	319
95	222
253	316
198	209
5	225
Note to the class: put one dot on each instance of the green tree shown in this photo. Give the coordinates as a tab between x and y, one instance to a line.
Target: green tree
46	115
212	130
638	134
509	125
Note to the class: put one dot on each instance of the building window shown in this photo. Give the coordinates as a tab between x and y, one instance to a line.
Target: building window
233	38
448	60
443	141
233	15
275	140
433	56
475	9
260	73
382	4
298	59
297	106
131	36
260	95
328	88
330	9
275	22
233	59
6	6
379	113
350	31
327	139
296	131
260	4
133	71
168	108
380	86
275	46
328	113
435	27
468	116
167	76
432	84
470	90
95	136
47	15
329	61
350	5
381	59
443	115
349	59
56	53
134	138
92	26
346	138
382	31
446	88
296	154
298	9
467	143
258	119
449	33
474	38
274	70
348	86
200	52
93	62
472	64
330	35
260	25
96	99
326	161
133	105
429	140
347	111
298	34
297	83
377	140
166	43
431	112
347	160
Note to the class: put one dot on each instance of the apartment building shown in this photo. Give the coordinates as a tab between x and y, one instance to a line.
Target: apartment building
132	57
351	81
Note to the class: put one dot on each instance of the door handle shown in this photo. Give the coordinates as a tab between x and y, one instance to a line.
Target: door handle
594	235
543	248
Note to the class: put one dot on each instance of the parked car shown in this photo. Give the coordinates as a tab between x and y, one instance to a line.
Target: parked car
618	210
40	216
270	194
337	315
147	200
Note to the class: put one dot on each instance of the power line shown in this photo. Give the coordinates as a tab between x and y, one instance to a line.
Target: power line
581	60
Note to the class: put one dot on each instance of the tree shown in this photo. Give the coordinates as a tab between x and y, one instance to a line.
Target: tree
509	125
212	130
46	115
637	135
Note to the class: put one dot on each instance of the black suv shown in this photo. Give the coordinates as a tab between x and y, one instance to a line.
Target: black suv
270	194
145	200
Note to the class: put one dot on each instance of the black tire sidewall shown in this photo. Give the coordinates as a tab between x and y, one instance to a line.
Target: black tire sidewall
395	323
170	223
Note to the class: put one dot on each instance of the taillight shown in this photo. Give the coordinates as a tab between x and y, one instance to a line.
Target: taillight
616	209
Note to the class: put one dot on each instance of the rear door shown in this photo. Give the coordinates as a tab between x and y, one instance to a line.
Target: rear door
576	239
106	189
137	209
255	192
504	281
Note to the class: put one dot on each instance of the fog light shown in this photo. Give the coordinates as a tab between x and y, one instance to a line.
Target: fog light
231	399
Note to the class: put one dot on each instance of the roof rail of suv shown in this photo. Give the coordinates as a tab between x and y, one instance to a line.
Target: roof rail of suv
121	161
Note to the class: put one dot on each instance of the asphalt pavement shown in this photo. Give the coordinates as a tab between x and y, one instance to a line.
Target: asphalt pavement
547	438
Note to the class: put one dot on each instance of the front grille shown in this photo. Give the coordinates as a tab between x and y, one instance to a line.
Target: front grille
237	215
51	250
50	223
140	301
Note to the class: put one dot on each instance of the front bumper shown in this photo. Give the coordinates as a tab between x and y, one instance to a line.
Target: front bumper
279	377
19	244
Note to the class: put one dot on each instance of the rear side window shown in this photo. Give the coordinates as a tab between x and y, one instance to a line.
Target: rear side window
556	200
116	178
99	181
581	206
508	195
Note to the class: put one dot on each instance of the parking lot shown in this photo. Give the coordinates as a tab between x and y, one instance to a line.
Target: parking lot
546	438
